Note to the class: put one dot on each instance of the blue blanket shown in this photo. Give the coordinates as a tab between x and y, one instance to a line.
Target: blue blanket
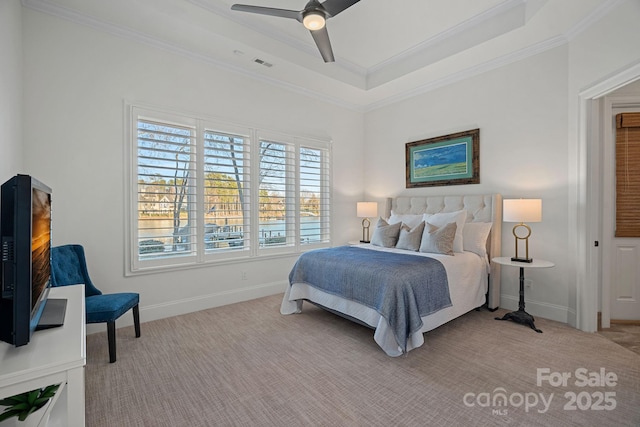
401	288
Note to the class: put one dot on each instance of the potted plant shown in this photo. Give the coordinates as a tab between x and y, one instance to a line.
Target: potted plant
23	404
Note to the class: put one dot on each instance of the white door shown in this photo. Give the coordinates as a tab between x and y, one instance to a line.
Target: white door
625	301
621	257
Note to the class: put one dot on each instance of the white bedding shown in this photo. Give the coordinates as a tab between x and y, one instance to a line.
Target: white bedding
467	277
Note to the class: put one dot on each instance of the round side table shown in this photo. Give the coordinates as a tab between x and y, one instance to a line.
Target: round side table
521	316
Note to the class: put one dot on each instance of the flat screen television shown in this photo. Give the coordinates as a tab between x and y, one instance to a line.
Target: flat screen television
25	229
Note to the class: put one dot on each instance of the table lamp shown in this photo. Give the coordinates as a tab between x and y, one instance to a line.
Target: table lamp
521	211
366	210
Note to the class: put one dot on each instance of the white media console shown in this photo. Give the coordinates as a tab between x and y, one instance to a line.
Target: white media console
53	356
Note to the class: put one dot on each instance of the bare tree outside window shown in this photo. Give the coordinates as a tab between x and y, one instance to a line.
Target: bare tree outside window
194	197
164	170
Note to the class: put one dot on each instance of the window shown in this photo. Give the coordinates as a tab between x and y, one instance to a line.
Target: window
314	195
627	175
193	200
276	207
293	194
165	190
226	190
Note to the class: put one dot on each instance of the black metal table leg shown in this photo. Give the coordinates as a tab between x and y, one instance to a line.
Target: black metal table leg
521	316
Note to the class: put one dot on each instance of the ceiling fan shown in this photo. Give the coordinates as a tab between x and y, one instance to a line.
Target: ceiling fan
313	17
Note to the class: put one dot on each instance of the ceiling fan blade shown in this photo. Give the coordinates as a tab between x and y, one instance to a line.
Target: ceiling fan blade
334	7
282	13
321	37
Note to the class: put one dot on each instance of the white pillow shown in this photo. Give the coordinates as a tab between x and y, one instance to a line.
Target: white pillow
443	218
474	237
438	240
410	238
385	234
410	219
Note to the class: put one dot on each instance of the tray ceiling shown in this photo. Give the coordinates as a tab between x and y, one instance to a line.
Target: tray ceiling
385	51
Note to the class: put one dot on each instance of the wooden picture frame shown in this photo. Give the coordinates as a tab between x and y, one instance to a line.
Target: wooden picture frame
444	160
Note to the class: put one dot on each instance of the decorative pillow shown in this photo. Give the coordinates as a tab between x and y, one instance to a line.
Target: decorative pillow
474	236
410	238
438	240
443	218
410	219
385	234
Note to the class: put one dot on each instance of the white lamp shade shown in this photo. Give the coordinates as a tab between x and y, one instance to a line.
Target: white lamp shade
522	210
367	209
313	21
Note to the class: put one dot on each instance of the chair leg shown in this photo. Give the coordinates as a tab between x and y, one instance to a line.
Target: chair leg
136	320
111	336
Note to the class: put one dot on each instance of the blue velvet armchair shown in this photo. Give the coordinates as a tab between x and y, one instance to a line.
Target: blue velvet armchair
69	267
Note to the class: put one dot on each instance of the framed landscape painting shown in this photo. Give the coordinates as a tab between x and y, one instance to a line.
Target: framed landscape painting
445	160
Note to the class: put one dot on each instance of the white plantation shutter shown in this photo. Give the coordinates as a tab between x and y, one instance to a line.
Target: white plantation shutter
294	193
314	189
204	191
276	213
166	190
226	192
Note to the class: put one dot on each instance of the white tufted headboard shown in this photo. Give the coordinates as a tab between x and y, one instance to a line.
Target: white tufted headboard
480	208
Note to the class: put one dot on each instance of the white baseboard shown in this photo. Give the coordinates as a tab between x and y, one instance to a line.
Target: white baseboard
555	312
189	305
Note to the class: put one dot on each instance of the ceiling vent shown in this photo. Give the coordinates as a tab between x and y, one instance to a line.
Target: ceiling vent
263	62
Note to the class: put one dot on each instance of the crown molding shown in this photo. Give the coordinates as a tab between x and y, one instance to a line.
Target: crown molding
272	33
596	15
140	37
447	44
471	72
137	36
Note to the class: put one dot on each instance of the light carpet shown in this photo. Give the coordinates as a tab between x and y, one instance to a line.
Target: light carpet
247	365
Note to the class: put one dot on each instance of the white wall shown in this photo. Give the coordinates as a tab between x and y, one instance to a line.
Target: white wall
10	88
605	49
528	118
521	110
75	82
630	89
76	79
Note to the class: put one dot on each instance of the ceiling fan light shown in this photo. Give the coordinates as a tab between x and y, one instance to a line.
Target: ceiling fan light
313	21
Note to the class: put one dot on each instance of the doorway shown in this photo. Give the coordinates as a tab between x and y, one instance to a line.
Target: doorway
589	295
620	255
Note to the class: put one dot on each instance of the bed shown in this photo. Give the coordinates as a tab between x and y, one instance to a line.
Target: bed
471	279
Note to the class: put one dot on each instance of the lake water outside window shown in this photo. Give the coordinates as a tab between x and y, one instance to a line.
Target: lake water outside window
194	193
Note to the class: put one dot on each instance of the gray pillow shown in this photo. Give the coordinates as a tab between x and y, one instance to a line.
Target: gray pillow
438	240
410	238
385	235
